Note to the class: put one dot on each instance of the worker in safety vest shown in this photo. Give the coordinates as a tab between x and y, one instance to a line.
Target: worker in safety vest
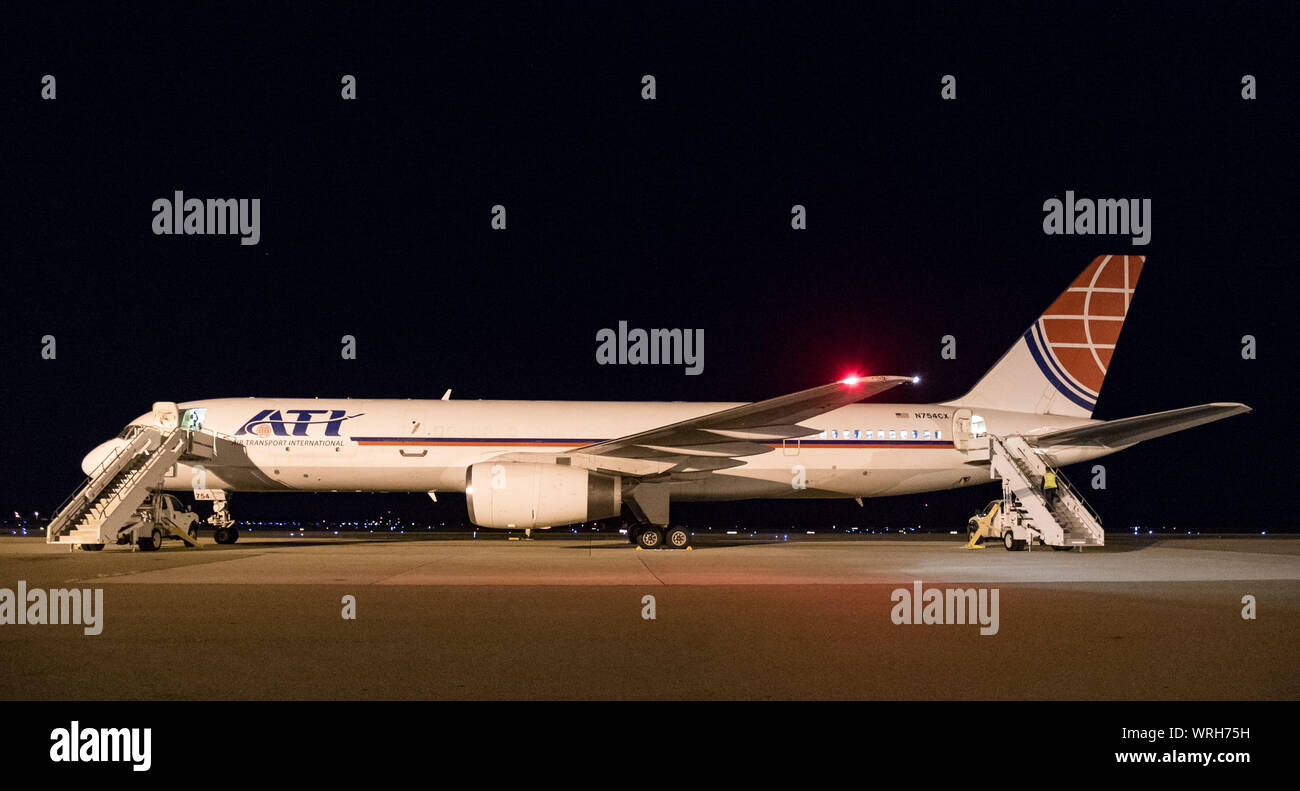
1049	487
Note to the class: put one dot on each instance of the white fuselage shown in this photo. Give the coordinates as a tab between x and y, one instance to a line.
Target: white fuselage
865	450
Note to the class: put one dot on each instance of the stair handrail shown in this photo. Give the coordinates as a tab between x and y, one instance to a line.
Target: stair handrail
1075	497
1062	482
154	455
215	435
1006	454
134	447
166	438
1003	445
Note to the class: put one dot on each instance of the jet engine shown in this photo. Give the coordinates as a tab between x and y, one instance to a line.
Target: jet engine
527	495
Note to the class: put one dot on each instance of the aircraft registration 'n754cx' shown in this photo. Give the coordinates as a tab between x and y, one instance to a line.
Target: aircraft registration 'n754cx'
538	464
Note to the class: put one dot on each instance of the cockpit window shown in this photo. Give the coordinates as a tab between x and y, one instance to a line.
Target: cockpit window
129	432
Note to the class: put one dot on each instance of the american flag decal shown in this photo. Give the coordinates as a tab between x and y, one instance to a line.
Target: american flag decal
901	414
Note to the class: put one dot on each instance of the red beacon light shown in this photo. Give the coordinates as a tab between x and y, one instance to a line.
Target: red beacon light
851	380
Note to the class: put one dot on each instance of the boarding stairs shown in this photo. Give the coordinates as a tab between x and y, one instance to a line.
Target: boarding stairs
117	487
1063	519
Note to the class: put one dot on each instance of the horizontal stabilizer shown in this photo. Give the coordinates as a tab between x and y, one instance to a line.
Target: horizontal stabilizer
1131	430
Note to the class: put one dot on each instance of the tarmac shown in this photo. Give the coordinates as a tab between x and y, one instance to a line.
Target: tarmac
563	617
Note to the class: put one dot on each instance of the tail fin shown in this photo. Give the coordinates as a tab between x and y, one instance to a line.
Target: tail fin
1057	367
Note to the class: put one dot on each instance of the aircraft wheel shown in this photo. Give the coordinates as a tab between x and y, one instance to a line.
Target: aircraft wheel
650	538
224	535
91	547
678	538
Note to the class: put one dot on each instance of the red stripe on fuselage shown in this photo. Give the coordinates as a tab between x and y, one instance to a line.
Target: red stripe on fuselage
543	444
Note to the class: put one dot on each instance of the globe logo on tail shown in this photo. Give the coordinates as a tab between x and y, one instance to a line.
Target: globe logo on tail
1073	341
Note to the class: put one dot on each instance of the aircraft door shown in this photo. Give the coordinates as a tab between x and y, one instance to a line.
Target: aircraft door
961	429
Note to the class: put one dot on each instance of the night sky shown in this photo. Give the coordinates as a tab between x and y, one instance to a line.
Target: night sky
924	219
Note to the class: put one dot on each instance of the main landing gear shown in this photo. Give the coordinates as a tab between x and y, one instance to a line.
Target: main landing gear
657	537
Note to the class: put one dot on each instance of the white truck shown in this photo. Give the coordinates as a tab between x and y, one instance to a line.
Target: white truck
160	516
998	520
1003	520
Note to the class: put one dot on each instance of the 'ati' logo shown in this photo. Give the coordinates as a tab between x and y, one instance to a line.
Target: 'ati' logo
269	422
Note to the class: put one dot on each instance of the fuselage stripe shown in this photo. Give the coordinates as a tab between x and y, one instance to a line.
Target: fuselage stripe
567	443
514	442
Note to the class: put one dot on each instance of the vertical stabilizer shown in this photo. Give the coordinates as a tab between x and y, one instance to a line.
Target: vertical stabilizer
1058	366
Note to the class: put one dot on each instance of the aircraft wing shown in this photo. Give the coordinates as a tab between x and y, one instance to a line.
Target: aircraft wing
1131	430
717	440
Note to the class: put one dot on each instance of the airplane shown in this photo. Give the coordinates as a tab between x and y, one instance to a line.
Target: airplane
539	464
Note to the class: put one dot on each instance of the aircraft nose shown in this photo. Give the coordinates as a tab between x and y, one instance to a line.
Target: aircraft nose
101	452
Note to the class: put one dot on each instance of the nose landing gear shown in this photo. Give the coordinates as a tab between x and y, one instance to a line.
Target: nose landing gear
225	531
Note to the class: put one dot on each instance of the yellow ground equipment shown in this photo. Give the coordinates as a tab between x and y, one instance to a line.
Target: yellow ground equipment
981	525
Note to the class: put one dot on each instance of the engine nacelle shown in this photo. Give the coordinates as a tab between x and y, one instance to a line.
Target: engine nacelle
526	495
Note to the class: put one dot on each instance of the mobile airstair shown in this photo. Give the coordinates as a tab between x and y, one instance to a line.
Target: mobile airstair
107	502
1059	518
